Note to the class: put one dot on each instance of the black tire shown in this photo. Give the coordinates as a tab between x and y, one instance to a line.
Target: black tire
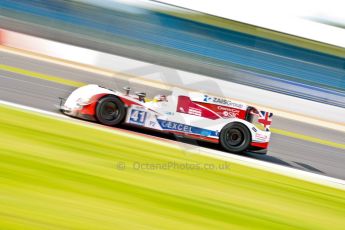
235	137
110	111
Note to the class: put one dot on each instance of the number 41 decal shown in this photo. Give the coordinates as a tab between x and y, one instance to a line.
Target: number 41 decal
137	117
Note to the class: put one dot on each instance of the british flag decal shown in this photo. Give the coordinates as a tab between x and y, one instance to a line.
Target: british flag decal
265	118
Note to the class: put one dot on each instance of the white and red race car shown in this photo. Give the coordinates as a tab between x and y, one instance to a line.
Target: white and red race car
236	126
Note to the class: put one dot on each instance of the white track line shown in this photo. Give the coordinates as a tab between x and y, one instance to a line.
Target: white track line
267	166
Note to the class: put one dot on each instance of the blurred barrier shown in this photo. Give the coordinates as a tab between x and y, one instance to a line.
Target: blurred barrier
154	75
207	50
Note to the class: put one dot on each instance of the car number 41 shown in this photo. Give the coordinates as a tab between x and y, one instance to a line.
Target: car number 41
137	117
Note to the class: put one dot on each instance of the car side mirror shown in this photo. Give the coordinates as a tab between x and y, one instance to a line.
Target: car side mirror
127	90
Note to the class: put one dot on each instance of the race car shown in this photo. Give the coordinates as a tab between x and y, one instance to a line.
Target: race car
235	126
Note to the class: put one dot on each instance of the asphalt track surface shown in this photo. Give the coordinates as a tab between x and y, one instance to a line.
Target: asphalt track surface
287	151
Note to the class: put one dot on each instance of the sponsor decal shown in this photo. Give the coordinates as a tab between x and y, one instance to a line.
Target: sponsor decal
205	132
222	101
260	136
223	111
228	112
207	98
227	102
152	123
174	126
194	111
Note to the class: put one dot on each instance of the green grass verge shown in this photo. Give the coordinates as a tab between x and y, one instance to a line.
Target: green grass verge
55	174
260	32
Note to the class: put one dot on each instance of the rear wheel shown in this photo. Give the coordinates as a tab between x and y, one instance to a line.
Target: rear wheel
110	110
235	137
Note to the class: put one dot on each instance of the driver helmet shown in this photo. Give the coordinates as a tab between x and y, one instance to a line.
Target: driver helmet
160	98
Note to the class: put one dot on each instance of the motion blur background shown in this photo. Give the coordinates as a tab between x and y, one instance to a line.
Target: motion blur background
196	42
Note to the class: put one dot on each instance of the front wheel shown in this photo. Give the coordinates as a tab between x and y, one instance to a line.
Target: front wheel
110	111
235	137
